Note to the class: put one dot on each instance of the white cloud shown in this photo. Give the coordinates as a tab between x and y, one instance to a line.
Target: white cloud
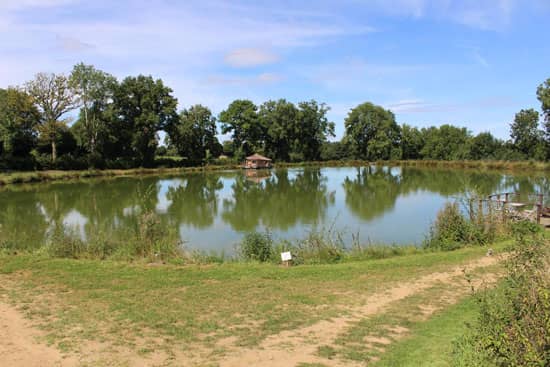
72	44
264	78
248	57
481	14
407	106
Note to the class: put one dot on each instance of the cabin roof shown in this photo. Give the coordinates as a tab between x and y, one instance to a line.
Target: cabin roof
257	157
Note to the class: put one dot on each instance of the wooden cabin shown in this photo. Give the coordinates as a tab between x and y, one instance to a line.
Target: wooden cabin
256	161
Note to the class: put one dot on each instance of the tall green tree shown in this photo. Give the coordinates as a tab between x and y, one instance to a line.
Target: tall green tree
312	130
524	132
240	119
446	142
54	97
141	107
484	146
279	120
195	134
95	90
18	120
372	132
543	94
412	142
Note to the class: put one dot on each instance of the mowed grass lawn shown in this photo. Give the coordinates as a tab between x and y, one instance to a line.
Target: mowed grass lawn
75	300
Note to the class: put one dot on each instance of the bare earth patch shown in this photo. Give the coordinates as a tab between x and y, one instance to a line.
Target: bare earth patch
19	346
288	348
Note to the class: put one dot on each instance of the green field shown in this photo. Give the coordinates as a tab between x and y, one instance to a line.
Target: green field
223	310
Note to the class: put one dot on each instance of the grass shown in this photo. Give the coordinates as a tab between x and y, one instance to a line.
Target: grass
430	343
75	300
479	165
57	175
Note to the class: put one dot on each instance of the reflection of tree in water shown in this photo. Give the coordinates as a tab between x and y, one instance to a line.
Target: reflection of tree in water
22	222
278	202
528	186
373	192
449	182
195	201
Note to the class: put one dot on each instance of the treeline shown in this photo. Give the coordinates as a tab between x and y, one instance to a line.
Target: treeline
118	125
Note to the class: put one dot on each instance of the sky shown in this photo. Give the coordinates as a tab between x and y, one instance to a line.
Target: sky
472	63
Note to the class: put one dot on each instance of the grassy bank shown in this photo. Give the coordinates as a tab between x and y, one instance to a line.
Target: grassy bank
40	176
518	166
198	307
480	165
430	343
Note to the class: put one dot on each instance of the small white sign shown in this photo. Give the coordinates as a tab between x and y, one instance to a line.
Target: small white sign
286	256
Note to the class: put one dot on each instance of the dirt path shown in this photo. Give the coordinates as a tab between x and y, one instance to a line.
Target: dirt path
18	346
291	348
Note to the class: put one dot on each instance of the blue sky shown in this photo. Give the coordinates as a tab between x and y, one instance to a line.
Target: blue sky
468	63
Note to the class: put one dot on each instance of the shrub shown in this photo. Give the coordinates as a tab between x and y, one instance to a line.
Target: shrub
63	243
450	229
320	247
257	246
514	321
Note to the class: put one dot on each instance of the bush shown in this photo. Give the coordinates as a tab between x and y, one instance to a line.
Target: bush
63	243
451	230
513	328
257	246
320	247
151	240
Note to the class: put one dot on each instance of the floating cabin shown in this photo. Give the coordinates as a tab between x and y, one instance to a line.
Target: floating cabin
257	161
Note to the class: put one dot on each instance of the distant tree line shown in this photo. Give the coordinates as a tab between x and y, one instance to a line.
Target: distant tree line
118	125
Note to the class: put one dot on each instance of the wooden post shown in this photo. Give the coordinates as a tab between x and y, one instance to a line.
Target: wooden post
539	208
471	209
480	212
504	212
506	197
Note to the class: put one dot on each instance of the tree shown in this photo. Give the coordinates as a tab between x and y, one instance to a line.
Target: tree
372	132
543	94
412	142
313	129
279	122
334	150
241	120
524	132
18	120
446	143
141	107
95	90
484	146
195	133
54	97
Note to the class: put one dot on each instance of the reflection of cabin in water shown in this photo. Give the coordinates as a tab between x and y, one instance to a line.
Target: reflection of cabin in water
256	161
257	176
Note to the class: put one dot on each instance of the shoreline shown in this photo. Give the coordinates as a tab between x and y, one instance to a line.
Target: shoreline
22	177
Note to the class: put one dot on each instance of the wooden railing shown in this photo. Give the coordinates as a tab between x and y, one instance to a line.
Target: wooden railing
508	201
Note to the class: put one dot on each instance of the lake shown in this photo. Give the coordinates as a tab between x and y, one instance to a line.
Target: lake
213	210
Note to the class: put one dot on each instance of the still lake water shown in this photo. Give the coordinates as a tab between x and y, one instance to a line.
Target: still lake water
213	210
